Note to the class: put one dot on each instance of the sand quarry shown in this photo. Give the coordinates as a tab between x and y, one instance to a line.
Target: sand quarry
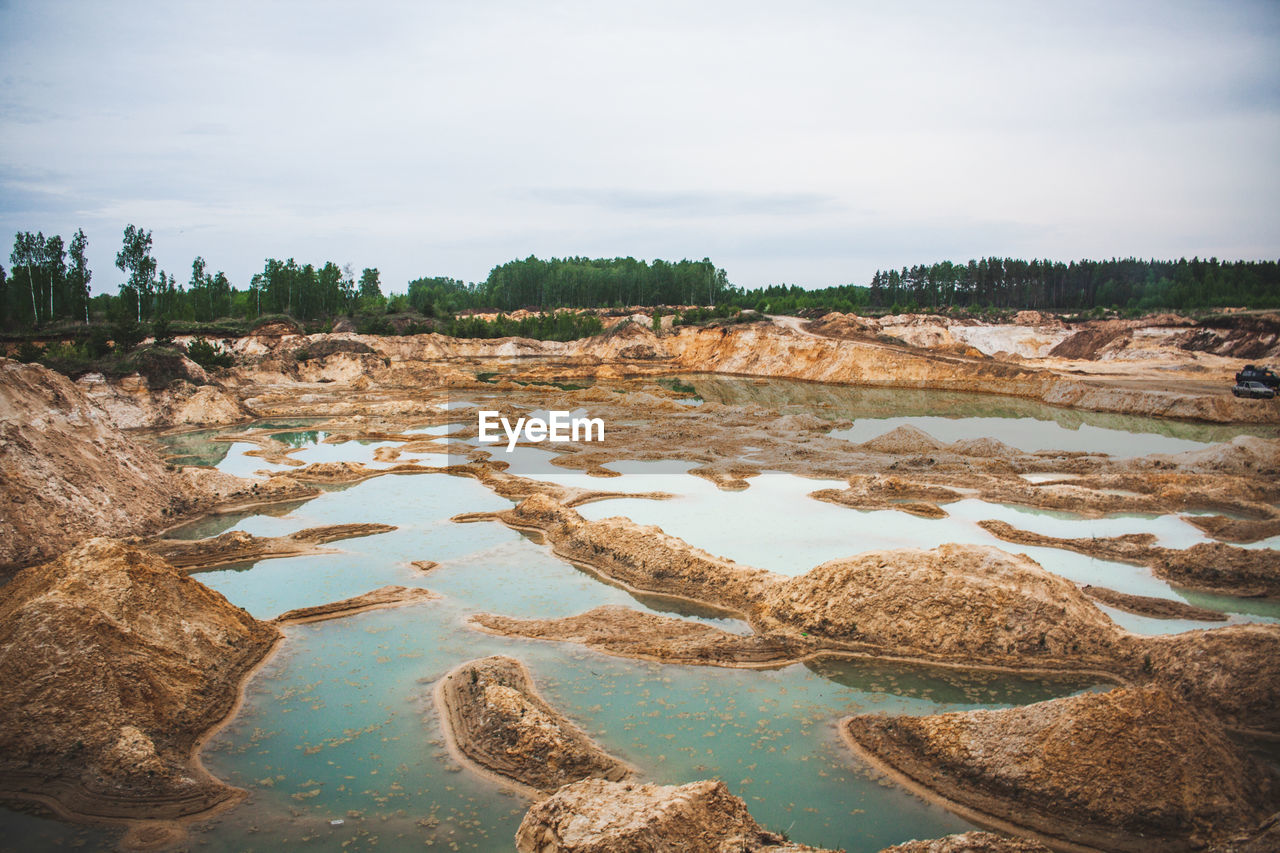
775	500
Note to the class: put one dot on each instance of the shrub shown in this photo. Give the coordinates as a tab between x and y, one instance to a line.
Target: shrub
160	330
127	334
209	355
99	342
29	352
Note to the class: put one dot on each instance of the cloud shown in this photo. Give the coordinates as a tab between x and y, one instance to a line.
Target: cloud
811	143
689	203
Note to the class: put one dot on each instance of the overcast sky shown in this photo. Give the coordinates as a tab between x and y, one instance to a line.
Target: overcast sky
798	142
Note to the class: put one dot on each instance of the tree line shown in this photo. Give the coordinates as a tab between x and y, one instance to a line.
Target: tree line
48	283
577	283
1131	283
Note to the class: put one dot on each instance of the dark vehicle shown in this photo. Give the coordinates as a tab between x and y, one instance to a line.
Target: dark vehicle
1253	373
1253	389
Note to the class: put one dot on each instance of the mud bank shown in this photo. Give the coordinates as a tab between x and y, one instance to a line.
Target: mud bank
642	558
764	350
630	633
1156	608
387	596
599	816
112	666
236	546
498	722
1208	566
1125	770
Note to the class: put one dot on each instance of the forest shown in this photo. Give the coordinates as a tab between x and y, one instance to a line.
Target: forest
48	284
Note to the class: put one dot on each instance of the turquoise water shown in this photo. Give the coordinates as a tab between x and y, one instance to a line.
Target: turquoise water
340	724
745	526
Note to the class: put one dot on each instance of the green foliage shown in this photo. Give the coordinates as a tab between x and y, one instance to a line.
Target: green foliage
440	296
678	386
47	285
557	326
370	283
601	283
209	356
68	357
718	314
161	332
126	333
98	343
29	352
159	366
1138	286
135	259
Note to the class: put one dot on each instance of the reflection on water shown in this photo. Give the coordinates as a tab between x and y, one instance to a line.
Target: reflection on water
745	526
1027	434
857	403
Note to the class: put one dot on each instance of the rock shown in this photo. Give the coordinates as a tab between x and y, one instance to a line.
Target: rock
1129	769
112	665
597	816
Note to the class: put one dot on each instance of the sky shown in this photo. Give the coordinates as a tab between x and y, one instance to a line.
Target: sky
808	143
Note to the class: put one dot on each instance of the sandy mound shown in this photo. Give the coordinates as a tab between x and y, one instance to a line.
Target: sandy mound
1244	455
378	599
1118	769
984	447
1088	343
595	816
910	601
903	439
111	665
797	423
68	473
498	720
1230	671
